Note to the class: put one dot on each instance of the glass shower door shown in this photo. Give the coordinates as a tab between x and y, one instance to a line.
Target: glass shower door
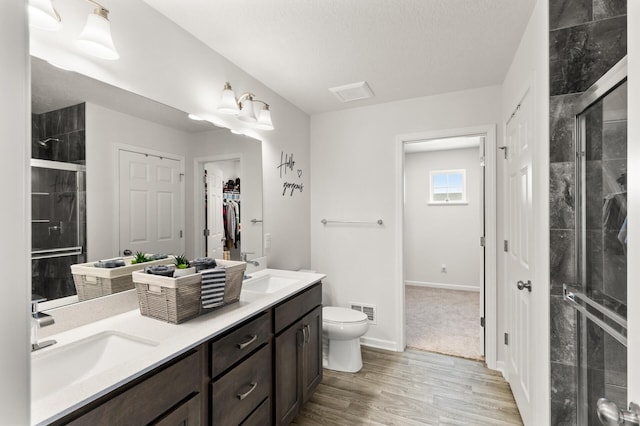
57	226
600	298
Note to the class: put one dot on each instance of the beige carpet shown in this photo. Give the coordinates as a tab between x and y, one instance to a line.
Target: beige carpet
443	321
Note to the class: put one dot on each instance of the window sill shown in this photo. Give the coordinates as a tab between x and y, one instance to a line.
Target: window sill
447	203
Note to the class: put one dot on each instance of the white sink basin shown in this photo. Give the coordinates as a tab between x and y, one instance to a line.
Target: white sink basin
268	283
54	369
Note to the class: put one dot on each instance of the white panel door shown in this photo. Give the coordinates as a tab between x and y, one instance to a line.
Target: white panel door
215	221
151	197
519	255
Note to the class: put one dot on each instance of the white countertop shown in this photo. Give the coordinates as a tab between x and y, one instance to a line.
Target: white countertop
172	339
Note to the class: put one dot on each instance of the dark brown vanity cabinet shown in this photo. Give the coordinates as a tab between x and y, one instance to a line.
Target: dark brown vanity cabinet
298	352
168	396
245	376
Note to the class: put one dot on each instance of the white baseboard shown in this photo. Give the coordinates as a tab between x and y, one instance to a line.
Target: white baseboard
461	287
500	366
372	342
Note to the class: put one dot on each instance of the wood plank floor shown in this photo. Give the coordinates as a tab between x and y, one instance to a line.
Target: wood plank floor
412	388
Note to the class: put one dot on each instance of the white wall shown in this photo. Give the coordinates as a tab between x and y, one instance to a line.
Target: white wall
530	68
353	177
161	61
633	354
442	234
16	235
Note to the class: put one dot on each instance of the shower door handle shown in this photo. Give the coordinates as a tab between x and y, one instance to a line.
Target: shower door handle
610	415
522	285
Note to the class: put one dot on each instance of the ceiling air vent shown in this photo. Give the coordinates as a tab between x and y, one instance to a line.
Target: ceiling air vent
352	92
368	310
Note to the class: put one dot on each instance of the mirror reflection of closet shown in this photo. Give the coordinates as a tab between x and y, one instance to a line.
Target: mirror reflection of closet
223	209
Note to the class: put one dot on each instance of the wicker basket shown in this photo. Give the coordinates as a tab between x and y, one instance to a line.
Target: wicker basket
169	299
235	273
92	282
176	300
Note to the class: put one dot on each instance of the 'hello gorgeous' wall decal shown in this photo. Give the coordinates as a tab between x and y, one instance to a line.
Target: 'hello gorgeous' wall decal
287	164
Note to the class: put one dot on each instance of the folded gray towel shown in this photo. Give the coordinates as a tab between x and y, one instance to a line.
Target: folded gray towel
109	263
203	263
164	270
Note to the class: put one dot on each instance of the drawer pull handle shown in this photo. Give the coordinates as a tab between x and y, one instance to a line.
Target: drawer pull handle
242	396
248	342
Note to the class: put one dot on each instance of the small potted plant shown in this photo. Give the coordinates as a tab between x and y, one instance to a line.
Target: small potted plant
183	267
140	258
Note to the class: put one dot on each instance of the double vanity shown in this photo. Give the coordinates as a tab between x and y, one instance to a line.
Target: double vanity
253	362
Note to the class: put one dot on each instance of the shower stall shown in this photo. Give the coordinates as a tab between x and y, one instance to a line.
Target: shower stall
58	226
600	295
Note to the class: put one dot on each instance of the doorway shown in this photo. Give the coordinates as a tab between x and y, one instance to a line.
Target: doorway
218	186
443	256
443	188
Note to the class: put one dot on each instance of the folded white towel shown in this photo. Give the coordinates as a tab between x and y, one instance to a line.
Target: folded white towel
213	284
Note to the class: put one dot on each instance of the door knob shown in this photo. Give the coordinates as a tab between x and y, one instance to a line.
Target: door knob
522	285
610	415
127	252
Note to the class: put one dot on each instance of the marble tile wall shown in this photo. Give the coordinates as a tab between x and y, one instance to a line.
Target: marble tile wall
67	125
586	38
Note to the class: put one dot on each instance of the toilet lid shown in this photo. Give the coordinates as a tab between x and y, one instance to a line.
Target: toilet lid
335	314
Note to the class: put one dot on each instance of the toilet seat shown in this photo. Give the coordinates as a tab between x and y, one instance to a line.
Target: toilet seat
336	315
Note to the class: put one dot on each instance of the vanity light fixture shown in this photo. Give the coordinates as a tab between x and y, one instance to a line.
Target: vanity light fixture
245	108
95	39
43	15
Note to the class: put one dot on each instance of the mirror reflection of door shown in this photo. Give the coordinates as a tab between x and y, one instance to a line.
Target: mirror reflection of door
151	198
213	205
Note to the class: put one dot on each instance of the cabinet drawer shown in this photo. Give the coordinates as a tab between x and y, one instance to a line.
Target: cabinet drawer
147	400
241	390
294	308
261	416
239	343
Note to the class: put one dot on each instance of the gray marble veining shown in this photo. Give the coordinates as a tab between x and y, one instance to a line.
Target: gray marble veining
563	332
580	55
566	13
562	195
562	127
563	395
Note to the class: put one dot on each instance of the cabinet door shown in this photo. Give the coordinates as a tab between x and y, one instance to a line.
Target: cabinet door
185	414
312	359
288	368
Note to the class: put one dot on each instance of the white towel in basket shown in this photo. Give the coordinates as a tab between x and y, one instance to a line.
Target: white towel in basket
213	283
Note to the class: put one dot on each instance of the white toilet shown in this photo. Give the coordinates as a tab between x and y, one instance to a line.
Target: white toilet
341	331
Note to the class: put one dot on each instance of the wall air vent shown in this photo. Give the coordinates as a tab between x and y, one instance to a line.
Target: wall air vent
368	310
352	92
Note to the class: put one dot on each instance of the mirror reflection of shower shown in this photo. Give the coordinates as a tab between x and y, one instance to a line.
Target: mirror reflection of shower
45	142
58	203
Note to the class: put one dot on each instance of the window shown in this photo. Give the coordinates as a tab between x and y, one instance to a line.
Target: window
448	187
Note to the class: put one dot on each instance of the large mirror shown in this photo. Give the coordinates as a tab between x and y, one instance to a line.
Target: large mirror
114	172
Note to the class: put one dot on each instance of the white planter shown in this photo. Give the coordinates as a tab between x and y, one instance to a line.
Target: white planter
183	272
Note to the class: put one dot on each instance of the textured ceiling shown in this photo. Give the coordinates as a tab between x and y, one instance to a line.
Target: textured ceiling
402	48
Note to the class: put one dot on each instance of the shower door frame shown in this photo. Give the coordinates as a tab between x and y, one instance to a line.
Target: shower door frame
80	249
609	82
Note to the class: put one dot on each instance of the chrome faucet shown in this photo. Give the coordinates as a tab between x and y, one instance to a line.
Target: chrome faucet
40	319
243	256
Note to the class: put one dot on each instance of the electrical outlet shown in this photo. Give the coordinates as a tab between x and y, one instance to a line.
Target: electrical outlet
267	241
444	268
